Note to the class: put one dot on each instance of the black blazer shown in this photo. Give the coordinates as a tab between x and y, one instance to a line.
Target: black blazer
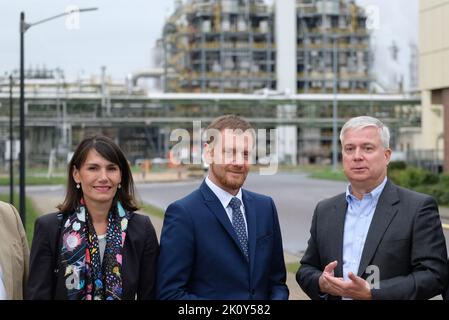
405	241
140	253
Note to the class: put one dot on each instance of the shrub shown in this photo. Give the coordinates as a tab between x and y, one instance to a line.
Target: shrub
422	181
397	165
413	177
444	180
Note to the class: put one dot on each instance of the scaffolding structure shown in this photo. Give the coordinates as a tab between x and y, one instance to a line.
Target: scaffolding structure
219	46
320	24
142	124
230	46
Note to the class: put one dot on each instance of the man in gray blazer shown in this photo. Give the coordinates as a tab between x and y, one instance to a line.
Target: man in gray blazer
377	240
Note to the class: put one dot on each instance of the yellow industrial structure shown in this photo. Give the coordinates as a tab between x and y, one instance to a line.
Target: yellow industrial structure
434	79
230	46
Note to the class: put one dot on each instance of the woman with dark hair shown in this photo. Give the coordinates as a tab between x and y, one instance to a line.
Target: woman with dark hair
96	247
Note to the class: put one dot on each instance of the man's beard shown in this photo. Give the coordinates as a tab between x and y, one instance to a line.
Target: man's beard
233	184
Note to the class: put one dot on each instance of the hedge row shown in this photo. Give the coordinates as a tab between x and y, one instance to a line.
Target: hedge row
420	180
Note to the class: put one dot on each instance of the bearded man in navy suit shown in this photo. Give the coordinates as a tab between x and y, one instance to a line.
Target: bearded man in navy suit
221	241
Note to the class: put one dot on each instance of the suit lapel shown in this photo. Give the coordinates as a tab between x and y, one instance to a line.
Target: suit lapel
383	215
250	213
214	205
336	230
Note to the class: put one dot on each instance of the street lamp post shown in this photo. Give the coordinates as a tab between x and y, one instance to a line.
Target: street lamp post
22	207
23	28
11	143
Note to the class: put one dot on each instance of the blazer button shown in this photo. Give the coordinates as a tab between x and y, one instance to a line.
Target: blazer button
253	292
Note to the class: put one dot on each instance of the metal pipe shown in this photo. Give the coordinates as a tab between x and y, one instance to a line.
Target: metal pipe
22	208
11	143
334	109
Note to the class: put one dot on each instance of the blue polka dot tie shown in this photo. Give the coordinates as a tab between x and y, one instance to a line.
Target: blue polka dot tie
239	224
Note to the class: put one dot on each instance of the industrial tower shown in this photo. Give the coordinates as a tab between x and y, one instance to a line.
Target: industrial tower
231	46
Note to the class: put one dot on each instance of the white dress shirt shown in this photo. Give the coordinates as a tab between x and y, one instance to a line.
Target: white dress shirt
225	198
2	286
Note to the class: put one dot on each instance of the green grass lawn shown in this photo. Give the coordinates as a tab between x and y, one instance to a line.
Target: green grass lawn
31	215
36	180
152	210
36	176
292	267
328	174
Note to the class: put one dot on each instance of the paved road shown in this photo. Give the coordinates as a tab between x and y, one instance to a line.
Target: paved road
295	196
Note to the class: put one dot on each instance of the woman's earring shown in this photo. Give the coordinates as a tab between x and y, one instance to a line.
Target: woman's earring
78	186
119	186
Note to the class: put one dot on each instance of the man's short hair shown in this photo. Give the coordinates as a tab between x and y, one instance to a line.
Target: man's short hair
230	121
365	121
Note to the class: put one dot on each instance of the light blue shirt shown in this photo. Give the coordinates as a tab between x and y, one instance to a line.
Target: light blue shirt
225	198
358	219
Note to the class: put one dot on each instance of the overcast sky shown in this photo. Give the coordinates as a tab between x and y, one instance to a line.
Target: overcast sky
121	35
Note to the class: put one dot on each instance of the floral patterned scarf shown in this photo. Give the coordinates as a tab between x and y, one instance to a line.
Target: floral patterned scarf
85	277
